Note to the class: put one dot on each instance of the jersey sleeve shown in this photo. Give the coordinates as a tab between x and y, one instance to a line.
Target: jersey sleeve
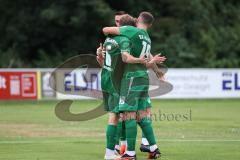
125	45
128	31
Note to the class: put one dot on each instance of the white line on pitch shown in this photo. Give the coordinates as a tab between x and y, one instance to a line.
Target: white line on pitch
79	141
200	140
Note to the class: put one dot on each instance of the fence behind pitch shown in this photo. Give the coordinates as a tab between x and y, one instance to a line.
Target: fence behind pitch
34	84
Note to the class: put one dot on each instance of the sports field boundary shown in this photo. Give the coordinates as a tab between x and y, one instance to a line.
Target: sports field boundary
76	141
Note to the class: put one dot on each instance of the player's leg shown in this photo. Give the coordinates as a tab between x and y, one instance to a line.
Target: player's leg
121	143
111	136
131	134
118	135
144	121
110	102
144	140
128	107
114	101
144	102
144	147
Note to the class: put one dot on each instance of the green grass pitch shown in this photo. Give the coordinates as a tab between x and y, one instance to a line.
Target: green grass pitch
31	131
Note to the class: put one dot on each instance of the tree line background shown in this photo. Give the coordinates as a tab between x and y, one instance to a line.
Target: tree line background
191	33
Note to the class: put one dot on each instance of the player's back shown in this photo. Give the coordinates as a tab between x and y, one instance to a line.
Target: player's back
113	66
140	46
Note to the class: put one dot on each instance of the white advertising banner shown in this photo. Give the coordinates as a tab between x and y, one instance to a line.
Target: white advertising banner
47	91
203	83
187	83
71	84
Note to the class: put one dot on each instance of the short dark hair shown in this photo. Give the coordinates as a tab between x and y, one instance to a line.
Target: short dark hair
119	13
127	20
147	17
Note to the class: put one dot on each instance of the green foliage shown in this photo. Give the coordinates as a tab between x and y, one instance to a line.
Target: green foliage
191	33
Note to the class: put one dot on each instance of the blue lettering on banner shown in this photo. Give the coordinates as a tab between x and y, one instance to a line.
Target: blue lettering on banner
231	81
237	87
67	83
94	76
84	86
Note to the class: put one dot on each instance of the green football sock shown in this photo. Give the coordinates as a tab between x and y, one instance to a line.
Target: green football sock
147	129
111	136
123	134
119	132
131	134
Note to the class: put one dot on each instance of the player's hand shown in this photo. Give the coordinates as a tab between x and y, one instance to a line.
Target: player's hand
101	51
100	60
100	55
158	59
143	60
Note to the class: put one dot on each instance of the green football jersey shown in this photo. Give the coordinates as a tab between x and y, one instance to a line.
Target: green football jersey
140	46
113	66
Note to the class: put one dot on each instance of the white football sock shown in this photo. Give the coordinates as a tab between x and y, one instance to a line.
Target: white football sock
131	153
145	141
153	147
117	147
123	143
109	152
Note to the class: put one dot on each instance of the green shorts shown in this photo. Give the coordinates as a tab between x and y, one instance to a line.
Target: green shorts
134	94
111	102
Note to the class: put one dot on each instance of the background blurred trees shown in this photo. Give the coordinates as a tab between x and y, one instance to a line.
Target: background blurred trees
191	33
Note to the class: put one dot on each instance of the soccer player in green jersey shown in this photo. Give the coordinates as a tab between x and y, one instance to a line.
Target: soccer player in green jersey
116	52
121	144
135	102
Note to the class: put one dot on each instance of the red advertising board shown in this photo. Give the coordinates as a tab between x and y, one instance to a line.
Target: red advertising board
18	85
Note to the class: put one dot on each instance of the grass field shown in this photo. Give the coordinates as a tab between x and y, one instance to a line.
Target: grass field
31	131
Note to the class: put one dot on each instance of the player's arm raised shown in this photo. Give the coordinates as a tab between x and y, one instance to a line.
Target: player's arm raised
100	55
125	47
154	60
111	30
127	58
